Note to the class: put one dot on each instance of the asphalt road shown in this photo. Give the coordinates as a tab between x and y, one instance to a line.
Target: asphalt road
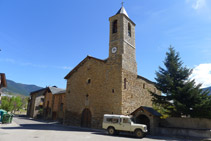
25	129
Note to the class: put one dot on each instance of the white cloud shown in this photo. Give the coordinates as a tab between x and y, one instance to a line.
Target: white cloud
198	4
202	74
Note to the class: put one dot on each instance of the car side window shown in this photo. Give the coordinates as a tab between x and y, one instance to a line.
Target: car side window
125	120
114	120
109	119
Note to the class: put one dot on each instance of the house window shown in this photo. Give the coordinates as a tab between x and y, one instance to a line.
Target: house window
125	83
61	106
114	29
144	86
129	30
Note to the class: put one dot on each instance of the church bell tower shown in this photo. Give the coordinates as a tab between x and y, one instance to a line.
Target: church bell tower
122	41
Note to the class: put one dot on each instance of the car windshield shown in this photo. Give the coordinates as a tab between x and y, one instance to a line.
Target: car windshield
131	121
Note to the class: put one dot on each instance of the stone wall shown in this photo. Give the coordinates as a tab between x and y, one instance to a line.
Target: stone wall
191	123
137	92
185	127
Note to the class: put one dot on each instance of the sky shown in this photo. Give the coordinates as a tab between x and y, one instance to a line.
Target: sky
41	41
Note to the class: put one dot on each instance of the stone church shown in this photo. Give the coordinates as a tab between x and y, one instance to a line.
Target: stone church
96	87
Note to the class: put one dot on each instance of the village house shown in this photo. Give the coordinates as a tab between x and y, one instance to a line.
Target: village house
41	102
35	103
111	86
50	100
58	106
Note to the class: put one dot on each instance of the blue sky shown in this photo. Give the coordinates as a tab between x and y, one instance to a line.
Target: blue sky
42	40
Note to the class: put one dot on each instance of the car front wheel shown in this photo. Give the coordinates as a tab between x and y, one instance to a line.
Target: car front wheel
111	131
139	133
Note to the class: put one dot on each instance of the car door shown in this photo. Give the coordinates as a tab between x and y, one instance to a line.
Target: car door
125	124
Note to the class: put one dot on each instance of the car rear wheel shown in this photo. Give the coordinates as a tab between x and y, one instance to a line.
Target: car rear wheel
139	133
111	131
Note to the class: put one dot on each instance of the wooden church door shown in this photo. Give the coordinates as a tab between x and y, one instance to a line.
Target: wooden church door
86	118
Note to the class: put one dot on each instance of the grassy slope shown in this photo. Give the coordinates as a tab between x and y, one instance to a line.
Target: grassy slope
18	88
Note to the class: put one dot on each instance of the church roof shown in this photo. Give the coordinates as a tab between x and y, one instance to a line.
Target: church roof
143	78
122	11
80	64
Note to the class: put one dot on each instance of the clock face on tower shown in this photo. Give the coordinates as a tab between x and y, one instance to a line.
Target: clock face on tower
114	49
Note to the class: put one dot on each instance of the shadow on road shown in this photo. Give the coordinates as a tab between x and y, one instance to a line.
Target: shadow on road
37	124
48	125
131	136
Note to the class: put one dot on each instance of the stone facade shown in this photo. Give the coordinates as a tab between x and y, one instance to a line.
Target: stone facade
96	87
48	104
36	103
58	106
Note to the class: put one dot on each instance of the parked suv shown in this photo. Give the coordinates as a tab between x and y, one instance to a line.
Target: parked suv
120	123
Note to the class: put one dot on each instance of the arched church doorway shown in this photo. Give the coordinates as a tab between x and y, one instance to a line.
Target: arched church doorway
142	119
86	118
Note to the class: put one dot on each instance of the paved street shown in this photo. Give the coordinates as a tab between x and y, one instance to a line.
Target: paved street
25	129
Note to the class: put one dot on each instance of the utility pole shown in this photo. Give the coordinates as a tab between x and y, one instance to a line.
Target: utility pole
3	83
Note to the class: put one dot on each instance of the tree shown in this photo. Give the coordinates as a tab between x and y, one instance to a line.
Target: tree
12	104
17	103
181	96
6	103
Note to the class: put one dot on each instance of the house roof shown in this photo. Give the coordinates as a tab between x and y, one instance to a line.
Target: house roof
34	92
55	90
80	64
148	109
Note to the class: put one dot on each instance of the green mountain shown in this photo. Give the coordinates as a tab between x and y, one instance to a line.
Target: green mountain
208	88
18	88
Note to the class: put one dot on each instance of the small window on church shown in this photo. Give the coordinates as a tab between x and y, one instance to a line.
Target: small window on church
89	81
125	83
112	90
114	29
129	30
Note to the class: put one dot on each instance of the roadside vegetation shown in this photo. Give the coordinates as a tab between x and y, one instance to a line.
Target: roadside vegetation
14	104
181	96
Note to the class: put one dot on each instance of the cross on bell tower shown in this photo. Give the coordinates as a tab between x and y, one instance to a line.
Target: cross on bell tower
122	3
